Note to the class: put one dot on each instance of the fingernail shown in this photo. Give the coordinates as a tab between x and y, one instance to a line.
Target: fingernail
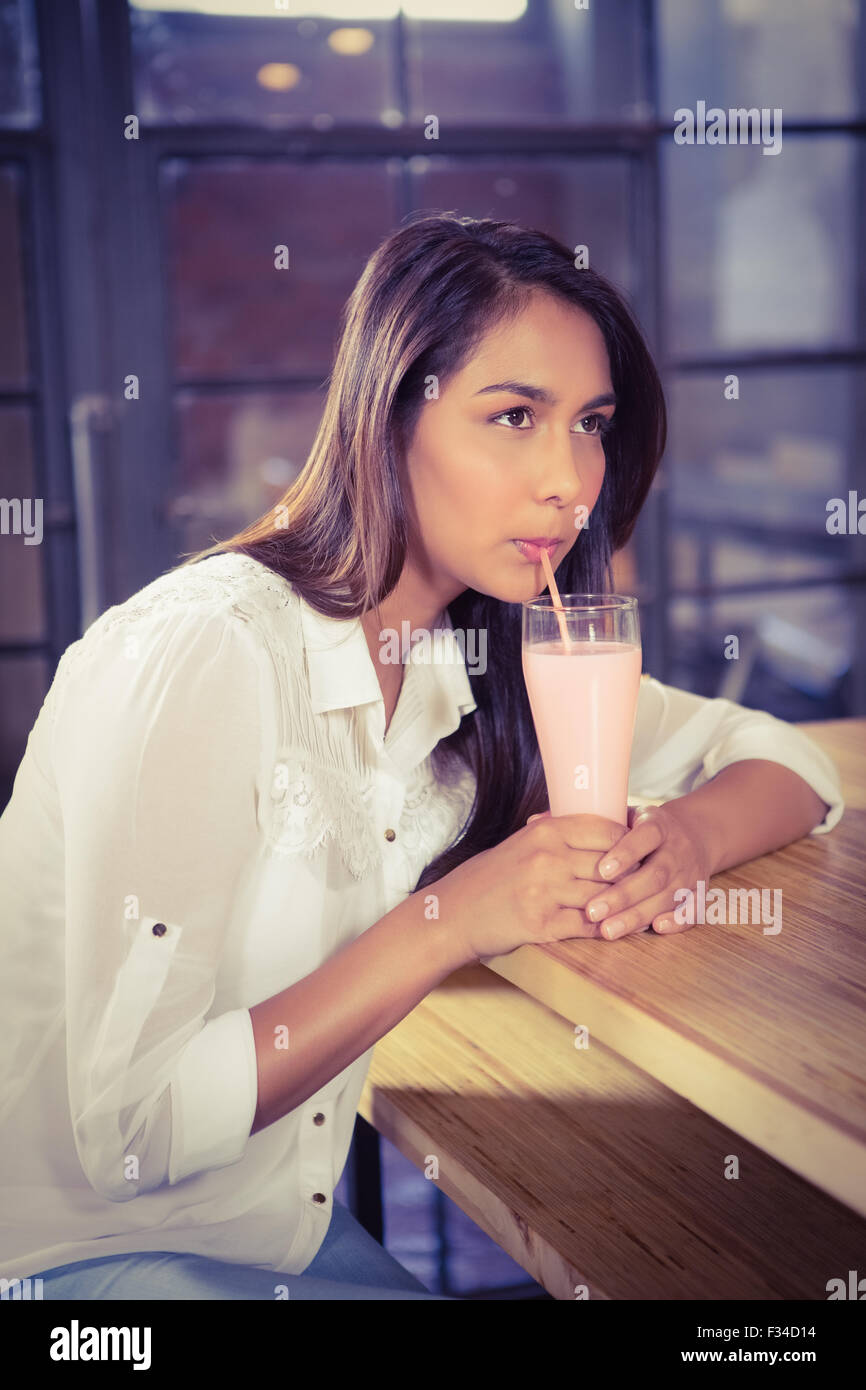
597	910
613	929
664	925
609	866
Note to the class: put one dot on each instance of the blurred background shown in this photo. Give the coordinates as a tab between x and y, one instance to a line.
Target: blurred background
161	381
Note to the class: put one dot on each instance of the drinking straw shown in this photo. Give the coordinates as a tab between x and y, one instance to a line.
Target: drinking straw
557	601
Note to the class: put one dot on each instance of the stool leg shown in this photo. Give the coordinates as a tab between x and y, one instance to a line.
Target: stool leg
365	1178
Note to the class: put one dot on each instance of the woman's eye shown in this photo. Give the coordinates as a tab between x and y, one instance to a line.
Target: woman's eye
601	424
515	410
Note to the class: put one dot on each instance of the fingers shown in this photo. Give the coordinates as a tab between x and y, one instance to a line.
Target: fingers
570	895
617	918
645	836
580	851
667	924
637	895
570	922
574	896
652	912
630	888
583	832
589	832
583	864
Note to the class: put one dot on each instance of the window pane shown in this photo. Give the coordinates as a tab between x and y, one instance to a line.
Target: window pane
536	60
22	596
234	314
24	683
794	54
749	479
238	454
20	92
14	355
580	201
761	251
554	63
260	69
795	657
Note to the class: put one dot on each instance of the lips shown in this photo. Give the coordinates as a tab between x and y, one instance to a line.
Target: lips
532	549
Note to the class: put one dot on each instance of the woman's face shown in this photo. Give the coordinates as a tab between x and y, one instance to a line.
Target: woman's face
488	466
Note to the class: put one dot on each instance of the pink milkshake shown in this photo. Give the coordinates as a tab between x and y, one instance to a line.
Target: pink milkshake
584	704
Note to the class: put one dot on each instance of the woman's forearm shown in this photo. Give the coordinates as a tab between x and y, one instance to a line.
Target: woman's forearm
310	1031
751	808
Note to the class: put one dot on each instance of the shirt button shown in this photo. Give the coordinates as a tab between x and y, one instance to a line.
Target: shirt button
159	929
390	834
318	1119
319	1197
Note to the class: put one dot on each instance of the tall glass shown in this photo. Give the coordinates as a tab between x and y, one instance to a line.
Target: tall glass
584	700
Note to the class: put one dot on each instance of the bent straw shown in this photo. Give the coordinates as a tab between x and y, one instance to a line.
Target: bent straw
557	601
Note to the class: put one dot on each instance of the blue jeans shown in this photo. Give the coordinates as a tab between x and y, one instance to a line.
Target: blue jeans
348	1264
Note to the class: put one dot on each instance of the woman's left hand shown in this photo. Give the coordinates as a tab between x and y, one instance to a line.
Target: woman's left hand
675	857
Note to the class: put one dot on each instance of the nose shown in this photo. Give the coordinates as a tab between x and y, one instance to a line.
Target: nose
559	475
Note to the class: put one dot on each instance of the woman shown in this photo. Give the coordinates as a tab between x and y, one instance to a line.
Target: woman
217	857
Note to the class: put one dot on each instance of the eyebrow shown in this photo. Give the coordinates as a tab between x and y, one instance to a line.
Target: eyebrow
539	393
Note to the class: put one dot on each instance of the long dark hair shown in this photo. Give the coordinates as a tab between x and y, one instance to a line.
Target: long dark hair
425	299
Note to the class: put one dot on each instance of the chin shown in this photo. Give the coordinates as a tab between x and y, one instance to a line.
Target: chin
520	588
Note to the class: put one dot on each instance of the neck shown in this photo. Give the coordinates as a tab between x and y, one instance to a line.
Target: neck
413	600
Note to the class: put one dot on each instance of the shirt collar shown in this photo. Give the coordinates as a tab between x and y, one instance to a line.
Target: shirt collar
434	696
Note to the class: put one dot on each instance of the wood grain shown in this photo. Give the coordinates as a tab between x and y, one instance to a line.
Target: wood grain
765	1033
585	1169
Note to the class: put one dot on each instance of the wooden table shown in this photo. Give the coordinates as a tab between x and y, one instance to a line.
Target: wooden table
608	1169
598	1180
766	1033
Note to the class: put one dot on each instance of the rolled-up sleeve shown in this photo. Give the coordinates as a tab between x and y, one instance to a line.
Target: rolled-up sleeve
682	740
157	749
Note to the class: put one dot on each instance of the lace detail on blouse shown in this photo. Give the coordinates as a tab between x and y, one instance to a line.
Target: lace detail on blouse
228	576
434	811
320	789
238	579
313	802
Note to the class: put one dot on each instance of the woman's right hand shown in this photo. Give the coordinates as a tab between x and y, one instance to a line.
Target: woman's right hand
530	888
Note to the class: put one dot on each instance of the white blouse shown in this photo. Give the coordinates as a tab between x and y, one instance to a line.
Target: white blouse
206	810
